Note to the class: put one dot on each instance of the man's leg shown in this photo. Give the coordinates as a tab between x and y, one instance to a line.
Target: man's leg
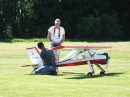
42	70
57	54
53	70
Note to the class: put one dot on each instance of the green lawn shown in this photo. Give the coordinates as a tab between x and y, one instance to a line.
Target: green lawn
16	81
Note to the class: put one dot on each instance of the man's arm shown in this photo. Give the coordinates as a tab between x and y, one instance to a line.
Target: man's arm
49	36
43	61
56	58
63	38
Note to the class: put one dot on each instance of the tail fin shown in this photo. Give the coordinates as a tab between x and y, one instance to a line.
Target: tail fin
34	56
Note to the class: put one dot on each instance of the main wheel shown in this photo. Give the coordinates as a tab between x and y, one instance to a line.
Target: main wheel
89	74
102	72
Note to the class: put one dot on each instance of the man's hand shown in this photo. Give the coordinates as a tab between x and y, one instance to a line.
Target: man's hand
52	43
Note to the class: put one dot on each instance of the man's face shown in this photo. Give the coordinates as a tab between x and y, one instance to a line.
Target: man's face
57	24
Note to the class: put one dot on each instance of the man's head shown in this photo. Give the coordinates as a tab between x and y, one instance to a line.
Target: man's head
57	22
40	45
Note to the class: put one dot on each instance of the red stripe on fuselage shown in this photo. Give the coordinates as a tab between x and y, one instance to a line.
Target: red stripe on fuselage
79	47
75	63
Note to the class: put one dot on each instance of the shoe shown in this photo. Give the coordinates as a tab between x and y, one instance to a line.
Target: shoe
53	72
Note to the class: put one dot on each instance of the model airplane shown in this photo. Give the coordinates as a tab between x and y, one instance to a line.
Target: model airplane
79	55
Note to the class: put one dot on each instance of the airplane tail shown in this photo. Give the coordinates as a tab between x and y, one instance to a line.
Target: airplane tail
34	56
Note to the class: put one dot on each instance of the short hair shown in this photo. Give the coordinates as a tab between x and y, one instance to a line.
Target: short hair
40	45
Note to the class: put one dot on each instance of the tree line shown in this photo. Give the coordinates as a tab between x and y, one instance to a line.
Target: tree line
82	19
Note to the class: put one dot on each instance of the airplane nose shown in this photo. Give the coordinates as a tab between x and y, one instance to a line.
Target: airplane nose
107	63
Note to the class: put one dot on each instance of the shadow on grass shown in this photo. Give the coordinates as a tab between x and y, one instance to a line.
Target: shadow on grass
84	76
41	74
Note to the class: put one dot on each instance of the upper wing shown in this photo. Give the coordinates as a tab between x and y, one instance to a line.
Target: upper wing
79	47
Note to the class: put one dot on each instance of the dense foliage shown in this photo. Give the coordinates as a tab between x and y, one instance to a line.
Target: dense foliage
82	19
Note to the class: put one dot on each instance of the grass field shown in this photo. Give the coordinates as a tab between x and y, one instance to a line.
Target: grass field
16	81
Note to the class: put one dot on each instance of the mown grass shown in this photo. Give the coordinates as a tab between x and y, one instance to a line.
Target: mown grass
16	81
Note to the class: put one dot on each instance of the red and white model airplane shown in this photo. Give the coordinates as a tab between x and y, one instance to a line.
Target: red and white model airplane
78	55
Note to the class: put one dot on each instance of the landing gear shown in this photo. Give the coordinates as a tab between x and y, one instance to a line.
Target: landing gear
91	69
101	73
102	70
89	74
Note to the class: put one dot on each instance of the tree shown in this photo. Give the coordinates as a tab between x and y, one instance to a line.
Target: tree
80	18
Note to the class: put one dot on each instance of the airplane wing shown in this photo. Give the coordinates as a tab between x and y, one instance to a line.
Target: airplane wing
79	47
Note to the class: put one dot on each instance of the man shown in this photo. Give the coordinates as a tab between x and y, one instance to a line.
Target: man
56	36
48	59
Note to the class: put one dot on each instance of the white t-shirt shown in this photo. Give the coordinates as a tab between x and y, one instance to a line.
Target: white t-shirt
54	36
